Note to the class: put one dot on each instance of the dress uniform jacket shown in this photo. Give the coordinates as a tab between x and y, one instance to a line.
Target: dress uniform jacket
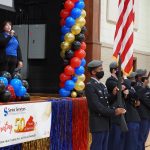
132	114
144	96
98	103
112	82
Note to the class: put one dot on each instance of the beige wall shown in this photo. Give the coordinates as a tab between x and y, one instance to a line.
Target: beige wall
142	32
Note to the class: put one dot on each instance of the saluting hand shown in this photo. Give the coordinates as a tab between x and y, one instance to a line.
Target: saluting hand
120	111
115	90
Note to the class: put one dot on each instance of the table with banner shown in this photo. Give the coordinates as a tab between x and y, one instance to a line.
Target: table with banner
42	125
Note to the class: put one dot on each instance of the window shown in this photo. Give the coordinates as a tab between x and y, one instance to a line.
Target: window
7	5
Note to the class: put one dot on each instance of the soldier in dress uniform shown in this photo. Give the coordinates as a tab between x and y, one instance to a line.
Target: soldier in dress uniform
132	116
139	74
116	140
143	92
98	104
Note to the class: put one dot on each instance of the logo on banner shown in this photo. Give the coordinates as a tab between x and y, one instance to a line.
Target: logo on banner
14	111
22	126
5	111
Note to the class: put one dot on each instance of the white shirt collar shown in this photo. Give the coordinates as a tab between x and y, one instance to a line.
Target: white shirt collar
95	79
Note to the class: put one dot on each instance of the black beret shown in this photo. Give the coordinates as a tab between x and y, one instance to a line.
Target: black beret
94	63
132	75
113	65
141	72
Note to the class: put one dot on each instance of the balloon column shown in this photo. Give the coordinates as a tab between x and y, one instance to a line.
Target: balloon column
13	89
73	48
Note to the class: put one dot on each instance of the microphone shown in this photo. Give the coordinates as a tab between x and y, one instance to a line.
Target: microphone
12	32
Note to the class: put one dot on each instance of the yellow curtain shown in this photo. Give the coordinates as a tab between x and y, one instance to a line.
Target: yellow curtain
42	144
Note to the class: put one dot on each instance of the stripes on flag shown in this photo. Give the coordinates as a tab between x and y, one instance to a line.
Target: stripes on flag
123	39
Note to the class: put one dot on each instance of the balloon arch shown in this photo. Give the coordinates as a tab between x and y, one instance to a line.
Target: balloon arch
73	48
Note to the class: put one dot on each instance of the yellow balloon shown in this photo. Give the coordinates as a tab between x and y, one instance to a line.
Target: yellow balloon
75	29
65	46
79	86
80	21
69	37
83	13
74	94
81	77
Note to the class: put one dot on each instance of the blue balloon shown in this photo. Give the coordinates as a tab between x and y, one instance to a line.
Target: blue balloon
16	83
21	91
80	5
4	80
83	62
62	38
65	29
80	70
69	85
70	22
64	93
76	13
74	78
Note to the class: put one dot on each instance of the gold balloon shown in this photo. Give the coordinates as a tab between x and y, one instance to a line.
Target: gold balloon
79	86
74	94
65	46
80	21
83	13
75	29
69	37
81	77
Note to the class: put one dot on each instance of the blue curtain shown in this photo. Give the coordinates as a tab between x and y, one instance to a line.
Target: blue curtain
61	129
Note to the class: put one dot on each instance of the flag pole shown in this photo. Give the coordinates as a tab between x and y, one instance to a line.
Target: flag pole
123	124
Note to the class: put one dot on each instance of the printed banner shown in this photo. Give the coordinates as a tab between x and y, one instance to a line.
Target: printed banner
24	122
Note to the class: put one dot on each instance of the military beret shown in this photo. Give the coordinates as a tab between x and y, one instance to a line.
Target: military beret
132	75
94	63
141	72
113	65
111	85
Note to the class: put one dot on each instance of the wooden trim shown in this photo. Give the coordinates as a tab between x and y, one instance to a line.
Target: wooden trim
93	34
93	25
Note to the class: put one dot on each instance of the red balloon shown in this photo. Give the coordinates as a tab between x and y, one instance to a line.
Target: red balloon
62	22
64	13
69	5
69	70
75	62
74	1
61	84
83	45
80	53
63	77
12	91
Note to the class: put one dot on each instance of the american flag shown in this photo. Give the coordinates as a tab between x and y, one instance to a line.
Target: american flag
123	40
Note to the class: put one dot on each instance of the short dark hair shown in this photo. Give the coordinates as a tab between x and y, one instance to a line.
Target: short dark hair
4	23
111	69
90	69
